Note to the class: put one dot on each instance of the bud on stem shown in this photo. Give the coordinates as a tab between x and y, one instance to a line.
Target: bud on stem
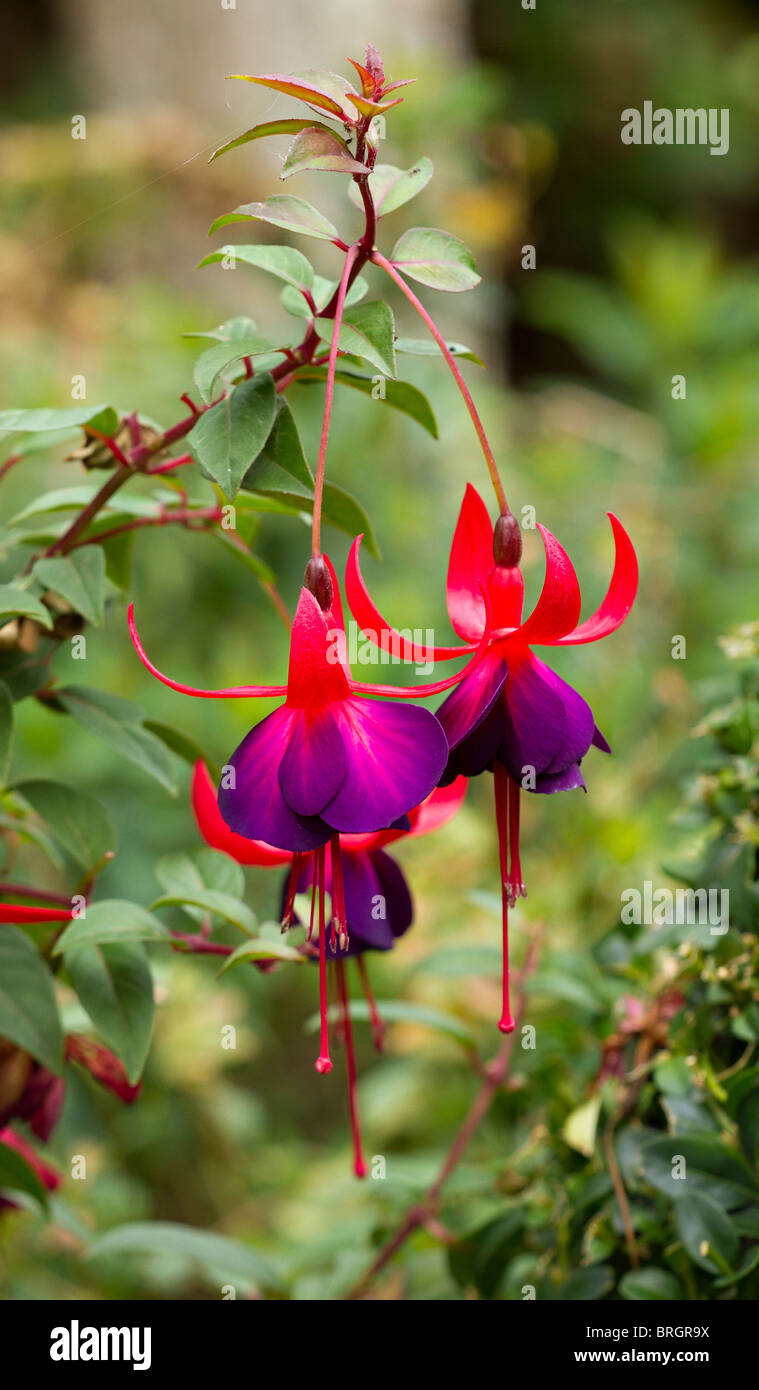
507	541
318	582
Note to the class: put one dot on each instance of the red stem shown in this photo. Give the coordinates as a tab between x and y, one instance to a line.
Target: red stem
323	1063
495	478
328	395
359	1166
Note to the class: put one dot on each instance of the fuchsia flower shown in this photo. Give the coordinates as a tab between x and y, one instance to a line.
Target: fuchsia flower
511	713
377	901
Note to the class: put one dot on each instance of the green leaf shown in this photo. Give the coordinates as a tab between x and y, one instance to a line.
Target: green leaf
368	330
44	419
282	210
580	1127
435	258
79	578
748	1127
230	436
28	1010
108	921
77	820
16	1174
399	395
404	1011
259	132
7	719
115	987
261	948
321	293
219	1257
319	150
281	466
224	905
185	747
283	261
588	1284
119	723
650	1284
701	1222
17	603
213	362
239	327
711	1168
391	187
64	499
342	510
427	347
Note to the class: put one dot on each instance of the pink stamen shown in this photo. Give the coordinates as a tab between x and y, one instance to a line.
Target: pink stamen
323	1063
516	886
378	1026
339	915
292	887
501	779
359	1166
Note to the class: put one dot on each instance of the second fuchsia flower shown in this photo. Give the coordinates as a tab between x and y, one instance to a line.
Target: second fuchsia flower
511	714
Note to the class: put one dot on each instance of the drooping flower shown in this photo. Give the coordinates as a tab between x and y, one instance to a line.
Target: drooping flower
328	761
511	713
377	903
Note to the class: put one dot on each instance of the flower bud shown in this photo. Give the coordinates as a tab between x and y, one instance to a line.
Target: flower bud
507	541
318	582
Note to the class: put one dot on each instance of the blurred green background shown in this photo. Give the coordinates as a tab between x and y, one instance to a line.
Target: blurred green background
646	268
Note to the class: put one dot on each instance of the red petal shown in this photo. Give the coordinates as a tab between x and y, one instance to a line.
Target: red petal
217	833
470	565
620	596
316	675
439	807
558	607
374	626
233	693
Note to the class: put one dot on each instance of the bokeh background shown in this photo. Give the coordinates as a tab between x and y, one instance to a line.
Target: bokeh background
646	268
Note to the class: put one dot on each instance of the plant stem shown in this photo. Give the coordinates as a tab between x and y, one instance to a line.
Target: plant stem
378	259
80	524
183	515
496	1073
329	393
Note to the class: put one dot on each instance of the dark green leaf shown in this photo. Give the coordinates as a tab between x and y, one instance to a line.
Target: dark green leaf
321	293
589	1284
185	748
212	363
342	510
108	921
6	731
281	466
748	1127
230	436
368	330
115	988
77	820
705	1230
261	948
28	1010
711	1168
79	578
44	419
400	395
435	258
650	1283
119	723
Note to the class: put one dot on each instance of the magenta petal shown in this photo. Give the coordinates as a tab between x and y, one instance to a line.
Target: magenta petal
599	741
470	702
314	762
255	806
535	720
395	755
580	725
400	908
366	907
565	781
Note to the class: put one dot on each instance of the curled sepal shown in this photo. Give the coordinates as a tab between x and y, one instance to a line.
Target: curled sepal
558	607
379	631
620	595
235	692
